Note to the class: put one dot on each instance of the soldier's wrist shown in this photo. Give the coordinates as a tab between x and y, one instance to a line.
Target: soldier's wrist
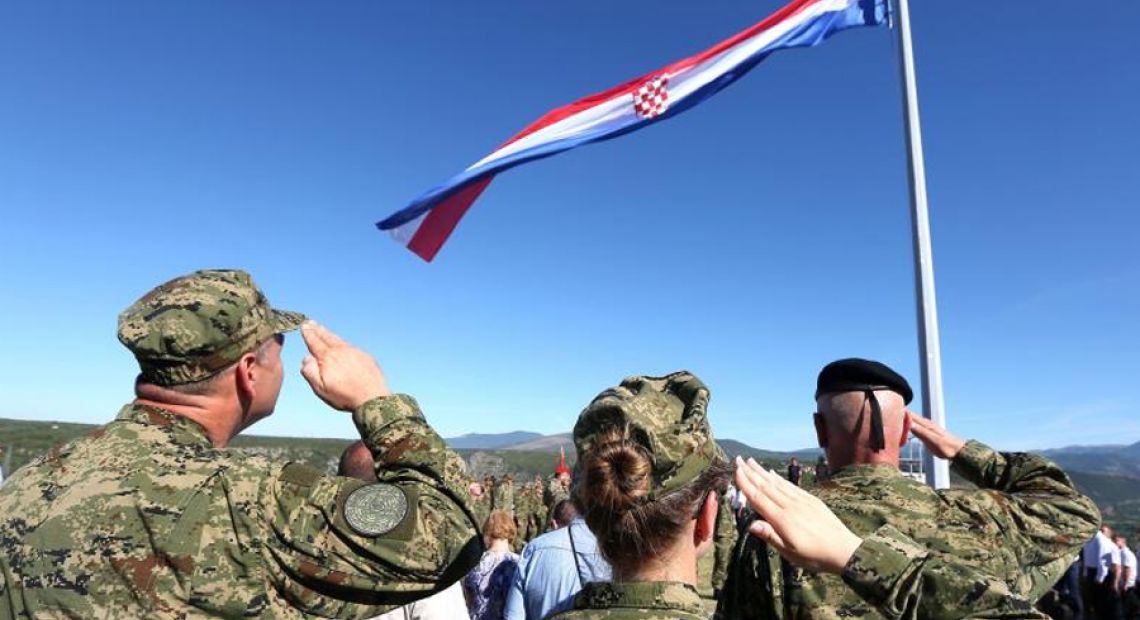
378	412
972	460
880	562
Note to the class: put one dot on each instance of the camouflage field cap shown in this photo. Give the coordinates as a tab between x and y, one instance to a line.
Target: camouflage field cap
194	326
667	416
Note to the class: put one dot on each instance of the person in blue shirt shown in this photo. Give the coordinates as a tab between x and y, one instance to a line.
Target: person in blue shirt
555	566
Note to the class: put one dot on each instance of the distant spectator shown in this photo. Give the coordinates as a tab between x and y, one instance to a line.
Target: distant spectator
1068	595
480	501
795	472
822	470
486	586
563	513
554	567
1130	602
1101	559
356	462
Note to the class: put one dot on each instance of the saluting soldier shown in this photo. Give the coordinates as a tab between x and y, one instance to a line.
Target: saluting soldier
152	516
1022	525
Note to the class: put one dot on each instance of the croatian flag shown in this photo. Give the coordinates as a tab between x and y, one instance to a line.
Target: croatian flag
425	224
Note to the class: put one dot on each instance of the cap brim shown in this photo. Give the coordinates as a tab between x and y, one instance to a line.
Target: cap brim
285	321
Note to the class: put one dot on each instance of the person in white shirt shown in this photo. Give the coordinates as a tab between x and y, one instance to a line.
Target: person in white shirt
1095	557
446	605
1127	564
1101	560
1128	598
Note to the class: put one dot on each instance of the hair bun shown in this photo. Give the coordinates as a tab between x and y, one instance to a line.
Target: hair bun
617	477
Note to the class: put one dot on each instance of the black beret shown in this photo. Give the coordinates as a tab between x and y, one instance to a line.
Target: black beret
859	375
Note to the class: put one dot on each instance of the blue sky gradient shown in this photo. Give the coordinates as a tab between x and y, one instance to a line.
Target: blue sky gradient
751	240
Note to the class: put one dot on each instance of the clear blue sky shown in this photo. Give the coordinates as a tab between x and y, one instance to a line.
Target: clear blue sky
751	240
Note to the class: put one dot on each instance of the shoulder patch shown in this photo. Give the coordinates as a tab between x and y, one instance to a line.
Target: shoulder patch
375	509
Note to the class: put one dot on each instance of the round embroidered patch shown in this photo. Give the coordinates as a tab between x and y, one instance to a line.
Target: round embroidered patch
376	509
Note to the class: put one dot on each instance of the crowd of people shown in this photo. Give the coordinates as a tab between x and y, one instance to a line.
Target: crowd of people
1101	583
151	516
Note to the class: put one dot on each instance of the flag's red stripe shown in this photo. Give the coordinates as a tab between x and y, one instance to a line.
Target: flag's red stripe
442	219
588	102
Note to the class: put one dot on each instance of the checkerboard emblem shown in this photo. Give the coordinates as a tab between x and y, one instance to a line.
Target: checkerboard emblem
652	98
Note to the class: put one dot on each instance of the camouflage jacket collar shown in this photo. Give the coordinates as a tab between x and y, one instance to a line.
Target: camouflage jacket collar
649	595
866	472
182	430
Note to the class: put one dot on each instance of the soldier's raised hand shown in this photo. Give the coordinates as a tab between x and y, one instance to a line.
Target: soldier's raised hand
797	525
941	442
340	374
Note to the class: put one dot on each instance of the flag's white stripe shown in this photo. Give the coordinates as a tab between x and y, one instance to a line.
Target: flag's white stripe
615	111
699	75
404	232
619	110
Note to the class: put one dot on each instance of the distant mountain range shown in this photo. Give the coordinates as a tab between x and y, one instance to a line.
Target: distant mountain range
522	441
1111	460
498	441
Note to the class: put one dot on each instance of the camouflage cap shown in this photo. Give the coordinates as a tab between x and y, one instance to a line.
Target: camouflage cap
196	325
666	416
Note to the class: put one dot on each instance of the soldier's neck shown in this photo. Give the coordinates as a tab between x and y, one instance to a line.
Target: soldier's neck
220	421
838	459
679	565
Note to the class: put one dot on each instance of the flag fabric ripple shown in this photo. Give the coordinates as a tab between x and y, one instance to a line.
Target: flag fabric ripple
425	224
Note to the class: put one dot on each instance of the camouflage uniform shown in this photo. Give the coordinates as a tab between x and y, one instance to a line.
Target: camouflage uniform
533	512
652	600
481	508
556	493
1022	529
144	517
504	497
522	518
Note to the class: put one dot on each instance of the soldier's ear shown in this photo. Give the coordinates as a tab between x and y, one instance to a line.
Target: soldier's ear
905	431
706	521
245	377
820	429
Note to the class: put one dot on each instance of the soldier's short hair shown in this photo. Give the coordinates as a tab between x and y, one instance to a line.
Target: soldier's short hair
208	385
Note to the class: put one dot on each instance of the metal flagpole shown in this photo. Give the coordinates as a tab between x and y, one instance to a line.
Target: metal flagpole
937	470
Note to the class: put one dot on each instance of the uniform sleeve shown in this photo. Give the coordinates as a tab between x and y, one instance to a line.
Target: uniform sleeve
724	539
1040	514
753	584
904	580
344	548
